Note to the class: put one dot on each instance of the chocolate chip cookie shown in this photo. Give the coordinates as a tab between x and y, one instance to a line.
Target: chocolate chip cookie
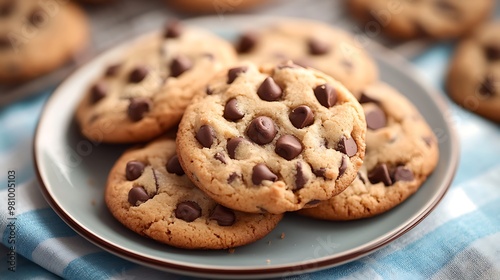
148	192
272	139
37	37
401	152
145	93
310	44
474	74
410	19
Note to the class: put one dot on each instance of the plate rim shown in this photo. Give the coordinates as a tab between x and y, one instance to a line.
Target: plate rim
391	58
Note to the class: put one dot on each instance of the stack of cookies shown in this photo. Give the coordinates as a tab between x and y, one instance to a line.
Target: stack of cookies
289	118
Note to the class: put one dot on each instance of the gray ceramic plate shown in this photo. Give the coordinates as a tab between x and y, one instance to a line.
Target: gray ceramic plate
72	172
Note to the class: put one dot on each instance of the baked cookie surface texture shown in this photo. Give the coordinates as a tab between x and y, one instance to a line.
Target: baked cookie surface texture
401	152
145	93
148	192
311	44
272	139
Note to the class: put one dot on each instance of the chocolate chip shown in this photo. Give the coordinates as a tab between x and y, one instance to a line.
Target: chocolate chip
134	170
343	166
262	130
174	166
4	42
7	8
317	47
113	70
173	29
367	99
138	107
402	173
247	42
492	52
347	146
220	157
231	110
261	172
208	90
206	135
301	116
188	211
232	144
375	118
300	178
233	73
269	90
320	172
232	177
223	215
380	174
487	88
138	74
38	17
99	91
288	147
326	95
179	65
137	195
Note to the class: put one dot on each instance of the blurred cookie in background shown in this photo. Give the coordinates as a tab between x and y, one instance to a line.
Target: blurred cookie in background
145	93
474	74
214	6
311	44
410	19
37	37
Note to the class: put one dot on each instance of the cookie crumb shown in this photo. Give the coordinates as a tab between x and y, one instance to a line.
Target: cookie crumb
269	242
268	261
282	236
231	251
93	202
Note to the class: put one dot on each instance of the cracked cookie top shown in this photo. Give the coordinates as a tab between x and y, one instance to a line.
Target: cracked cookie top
145	93
148	192
272	139
401	152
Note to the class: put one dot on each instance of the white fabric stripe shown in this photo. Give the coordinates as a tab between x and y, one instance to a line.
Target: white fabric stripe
366	272
483	247
56	253
28	198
